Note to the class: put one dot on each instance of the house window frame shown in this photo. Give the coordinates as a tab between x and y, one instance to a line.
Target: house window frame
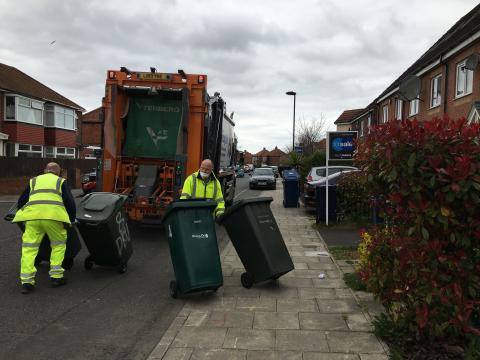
369	122
436	93
28	149
467	84
361	127
29	103
60	152
414	107
55	112
385	113
398	109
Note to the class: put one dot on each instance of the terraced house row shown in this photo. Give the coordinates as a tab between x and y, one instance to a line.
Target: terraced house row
445	80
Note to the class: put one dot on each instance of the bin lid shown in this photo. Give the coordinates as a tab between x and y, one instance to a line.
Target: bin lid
188	204
291	174
99	206
241	203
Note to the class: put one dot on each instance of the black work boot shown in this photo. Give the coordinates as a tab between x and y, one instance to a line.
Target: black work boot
56	282
27	288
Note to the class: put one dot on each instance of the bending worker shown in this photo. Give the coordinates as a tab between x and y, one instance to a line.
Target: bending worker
47	207
204	185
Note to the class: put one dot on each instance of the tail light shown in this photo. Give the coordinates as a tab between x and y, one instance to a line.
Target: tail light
309	178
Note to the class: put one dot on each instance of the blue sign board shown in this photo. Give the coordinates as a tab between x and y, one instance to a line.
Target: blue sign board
341	145
299	149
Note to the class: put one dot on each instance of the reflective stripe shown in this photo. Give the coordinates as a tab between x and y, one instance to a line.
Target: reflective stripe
44	202
31	245
219	211
186	195
27	275
59	242
59	183
52	191
194	179
55	272
56	267
34	181
214	189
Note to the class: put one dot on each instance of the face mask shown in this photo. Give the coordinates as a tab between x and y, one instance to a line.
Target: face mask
204	175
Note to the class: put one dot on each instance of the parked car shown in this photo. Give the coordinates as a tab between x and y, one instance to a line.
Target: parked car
263	177
240	173
319	172
309	197
89	181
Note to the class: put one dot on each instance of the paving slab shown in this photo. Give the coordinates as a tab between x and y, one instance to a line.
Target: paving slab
354	342
250	339
274	355
329	356
318	321
296	305
301	340
207	338
276	320
231	319
219	354
256	304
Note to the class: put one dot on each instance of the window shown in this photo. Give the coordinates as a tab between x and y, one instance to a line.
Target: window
464	80
59	117
414	107
436	91
369	122
398	109
385	113
59	152
22	109
10	107
30	151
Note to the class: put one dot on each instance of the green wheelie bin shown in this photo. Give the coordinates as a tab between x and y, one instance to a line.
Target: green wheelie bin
193	244
257	240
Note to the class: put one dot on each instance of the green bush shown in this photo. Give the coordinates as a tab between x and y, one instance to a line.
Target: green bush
353	198
425	268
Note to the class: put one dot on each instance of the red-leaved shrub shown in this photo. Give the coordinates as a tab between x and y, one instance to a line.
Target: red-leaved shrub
424	265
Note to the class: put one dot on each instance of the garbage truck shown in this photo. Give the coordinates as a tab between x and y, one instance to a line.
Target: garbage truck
157	128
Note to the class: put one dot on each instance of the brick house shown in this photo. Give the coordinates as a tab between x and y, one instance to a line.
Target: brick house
261	157
277	157
91	132
346	118
445	80
37	121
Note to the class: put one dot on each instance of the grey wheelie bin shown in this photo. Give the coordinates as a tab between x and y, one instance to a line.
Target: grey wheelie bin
193	244
73	243
257	240
291	189
103	225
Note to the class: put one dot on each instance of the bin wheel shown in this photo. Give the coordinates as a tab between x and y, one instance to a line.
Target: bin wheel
173	289
37	261
88	263
247	280
122	268
67	263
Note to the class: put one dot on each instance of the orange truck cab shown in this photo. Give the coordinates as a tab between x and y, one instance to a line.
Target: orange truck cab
157	128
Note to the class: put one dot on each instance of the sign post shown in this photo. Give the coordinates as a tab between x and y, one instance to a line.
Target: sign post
340	146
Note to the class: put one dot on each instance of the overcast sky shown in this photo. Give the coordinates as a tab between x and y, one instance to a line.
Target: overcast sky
336	55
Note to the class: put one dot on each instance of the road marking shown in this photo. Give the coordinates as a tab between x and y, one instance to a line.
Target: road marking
240	193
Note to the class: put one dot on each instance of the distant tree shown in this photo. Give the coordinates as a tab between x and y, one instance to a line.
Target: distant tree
309	133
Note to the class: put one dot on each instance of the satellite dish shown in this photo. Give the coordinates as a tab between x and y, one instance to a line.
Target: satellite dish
409	88
472	62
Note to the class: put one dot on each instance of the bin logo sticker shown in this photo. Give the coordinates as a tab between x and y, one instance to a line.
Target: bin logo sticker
124	237
157	135
169	231
200	236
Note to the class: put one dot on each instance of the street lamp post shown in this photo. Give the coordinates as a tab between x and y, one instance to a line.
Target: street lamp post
294	97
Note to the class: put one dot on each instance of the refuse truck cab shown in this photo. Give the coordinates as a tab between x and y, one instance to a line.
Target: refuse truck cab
157	128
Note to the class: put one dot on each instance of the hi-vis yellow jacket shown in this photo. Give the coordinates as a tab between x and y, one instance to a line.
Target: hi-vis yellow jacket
45	201
196	188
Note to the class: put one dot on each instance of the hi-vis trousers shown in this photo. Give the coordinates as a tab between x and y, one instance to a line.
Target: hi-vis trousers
35	230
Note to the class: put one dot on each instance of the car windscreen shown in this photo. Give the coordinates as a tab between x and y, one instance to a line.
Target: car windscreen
263	172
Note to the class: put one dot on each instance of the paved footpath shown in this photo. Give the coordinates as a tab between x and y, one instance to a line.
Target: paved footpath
299	317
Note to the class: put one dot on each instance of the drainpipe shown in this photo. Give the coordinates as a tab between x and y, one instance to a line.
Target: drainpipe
445	98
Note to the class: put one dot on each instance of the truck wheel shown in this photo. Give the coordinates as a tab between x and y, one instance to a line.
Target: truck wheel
173	289
246	280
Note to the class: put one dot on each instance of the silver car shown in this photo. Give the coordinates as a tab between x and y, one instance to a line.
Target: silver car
263	178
